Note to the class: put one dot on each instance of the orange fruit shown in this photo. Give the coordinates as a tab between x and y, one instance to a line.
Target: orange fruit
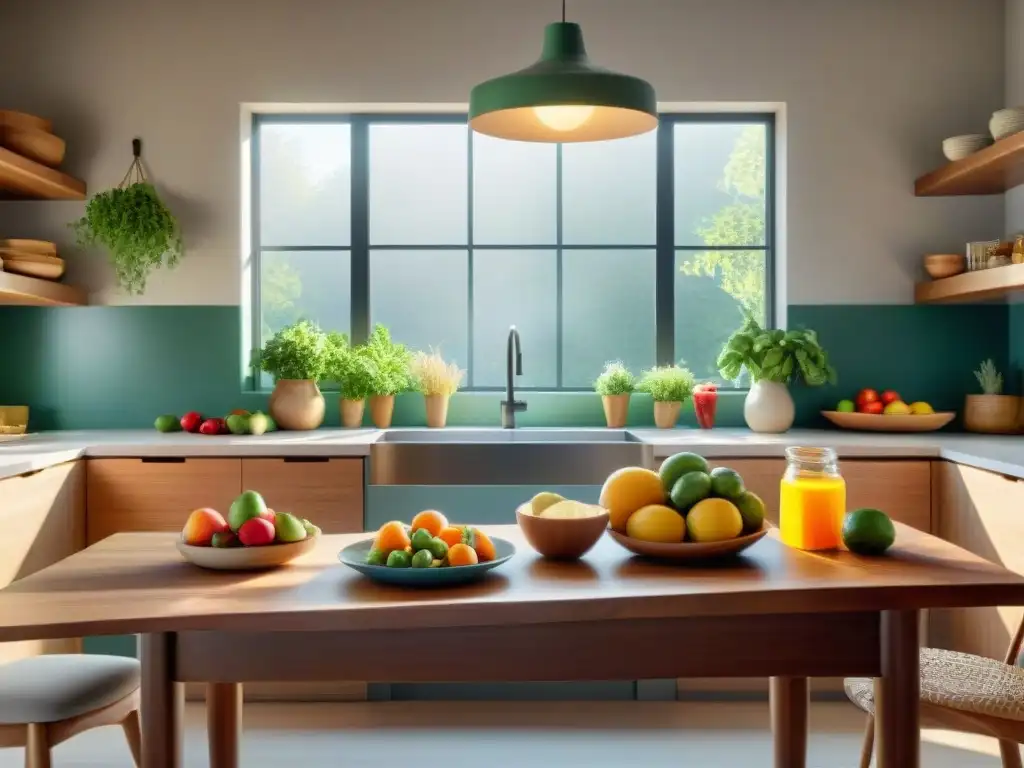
462	554
627	490
483	546
451	535
430	520
391	536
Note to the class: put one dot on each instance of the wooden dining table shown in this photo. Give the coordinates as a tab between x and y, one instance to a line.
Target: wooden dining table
773	612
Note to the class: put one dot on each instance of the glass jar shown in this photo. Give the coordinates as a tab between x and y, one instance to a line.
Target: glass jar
812	499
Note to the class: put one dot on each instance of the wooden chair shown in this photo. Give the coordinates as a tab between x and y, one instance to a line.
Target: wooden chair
45	700
961	692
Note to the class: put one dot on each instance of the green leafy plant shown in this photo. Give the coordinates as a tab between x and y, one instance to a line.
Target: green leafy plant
390	363
299	351
667	384
135	227
433	375
776	355
349	366
989	378
615	379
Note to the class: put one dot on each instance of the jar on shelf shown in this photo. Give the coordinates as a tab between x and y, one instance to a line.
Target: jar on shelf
1018	250
812	499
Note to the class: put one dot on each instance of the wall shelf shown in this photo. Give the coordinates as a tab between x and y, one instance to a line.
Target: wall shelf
31	291
29	179
990	171
972	286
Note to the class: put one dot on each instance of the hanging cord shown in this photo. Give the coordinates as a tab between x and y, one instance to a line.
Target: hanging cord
136	173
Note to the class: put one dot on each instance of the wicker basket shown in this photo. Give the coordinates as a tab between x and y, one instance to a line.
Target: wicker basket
994	414
13	419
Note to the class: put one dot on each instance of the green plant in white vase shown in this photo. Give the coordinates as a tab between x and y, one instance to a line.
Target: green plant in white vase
615	384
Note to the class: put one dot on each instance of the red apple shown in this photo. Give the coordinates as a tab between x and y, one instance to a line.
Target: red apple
191	421
866	396
212	427
256	532
875	406
890	396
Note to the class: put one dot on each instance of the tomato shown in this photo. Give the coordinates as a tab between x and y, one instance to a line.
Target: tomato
890	396
873	407
866	396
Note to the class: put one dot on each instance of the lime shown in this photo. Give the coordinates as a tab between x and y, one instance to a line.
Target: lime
656	523
421	539
751	510
677	465
726	483
438	548
868	531
714	520
689	489
846	406
399	559
422	559
376	557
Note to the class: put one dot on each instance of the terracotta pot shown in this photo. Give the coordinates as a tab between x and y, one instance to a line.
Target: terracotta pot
994	414
382	408
352	412
769	407
297	404
666	413
437	409
616	410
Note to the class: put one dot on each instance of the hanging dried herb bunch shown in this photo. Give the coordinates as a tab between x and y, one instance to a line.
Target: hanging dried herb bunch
135	227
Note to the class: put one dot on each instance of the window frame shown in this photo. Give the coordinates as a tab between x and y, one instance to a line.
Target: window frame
359	246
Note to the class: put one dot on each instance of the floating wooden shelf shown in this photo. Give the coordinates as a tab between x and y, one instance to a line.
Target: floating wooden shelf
29	179
990	171
31	291
972	286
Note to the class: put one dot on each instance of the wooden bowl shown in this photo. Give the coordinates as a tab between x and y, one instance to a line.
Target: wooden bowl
246	558
35	144
32	264
940	265
688	550
874	422
561	538
992	414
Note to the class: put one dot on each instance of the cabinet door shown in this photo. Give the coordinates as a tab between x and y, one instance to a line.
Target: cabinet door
156	494
981	512
43	521
328	492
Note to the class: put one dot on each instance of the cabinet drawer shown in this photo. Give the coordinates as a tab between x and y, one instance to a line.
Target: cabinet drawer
327	492
156	495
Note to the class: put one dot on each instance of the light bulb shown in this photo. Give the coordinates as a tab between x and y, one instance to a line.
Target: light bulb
567	118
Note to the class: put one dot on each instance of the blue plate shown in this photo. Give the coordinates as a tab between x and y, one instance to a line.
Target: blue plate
354	556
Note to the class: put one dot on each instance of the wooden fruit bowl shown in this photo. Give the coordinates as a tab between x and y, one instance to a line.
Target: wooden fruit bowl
689	550
246	558
871	422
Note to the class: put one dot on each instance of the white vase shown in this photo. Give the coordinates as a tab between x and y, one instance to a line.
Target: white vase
769	407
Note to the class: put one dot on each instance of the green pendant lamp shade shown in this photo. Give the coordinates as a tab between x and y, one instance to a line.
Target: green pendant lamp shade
563	97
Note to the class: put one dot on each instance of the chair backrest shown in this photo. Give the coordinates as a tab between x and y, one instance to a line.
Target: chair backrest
1014	650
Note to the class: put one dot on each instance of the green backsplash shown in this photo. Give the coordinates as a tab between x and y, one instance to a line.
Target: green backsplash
120	367
1016	344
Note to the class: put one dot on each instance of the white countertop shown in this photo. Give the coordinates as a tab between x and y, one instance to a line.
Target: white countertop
1004	455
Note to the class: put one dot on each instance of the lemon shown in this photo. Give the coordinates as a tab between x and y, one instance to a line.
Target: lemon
628	489
921	409
543	500
656	522
714	520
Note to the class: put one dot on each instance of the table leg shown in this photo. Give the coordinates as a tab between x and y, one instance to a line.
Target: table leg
224	723
898	692
162	703
789	721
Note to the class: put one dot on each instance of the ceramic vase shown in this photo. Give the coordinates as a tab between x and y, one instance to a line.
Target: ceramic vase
352	412
769	407
666	413
437	410
382	408
616	409
297	404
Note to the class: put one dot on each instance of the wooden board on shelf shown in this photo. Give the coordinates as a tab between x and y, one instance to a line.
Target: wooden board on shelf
990	171
26	178
31	291
972	286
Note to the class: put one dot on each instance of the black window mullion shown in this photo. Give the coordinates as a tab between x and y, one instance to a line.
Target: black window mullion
665	257
360	269
559	303
255	257
469	257
771	280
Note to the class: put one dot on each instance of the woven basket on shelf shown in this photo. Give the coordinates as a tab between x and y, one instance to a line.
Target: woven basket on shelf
994	414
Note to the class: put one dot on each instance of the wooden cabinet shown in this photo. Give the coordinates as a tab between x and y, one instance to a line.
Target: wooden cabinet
983	512
42	517
156	494
328	492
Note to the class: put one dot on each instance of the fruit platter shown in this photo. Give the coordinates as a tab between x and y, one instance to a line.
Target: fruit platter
428	552
870	411
684	511
251	537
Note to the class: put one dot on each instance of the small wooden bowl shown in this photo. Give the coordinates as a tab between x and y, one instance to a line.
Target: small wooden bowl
940	265
246	558
561	538
992	414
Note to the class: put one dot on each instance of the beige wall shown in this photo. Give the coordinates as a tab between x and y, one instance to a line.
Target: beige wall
1014	98
871	88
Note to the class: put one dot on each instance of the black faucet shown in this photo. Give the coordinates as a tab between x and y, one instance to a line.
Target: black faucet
510	405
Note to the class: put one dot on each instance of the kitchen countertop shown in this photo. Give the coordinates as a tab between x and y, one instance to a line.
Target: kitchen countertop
1004	455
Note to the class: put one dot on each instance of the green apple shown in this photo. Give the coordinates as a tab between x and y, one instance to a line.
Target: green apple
259	423
289	528
238	424
247	506
846	406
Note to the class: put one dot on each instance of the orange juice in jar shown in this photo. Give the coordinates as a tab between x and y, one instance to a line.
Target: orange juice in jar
812	499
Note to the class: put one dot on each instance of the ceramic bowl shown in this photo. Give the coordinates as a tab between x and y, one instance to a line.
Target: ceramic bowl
354	556
246	558
561	538
1006	122
940	265
690	551
959	147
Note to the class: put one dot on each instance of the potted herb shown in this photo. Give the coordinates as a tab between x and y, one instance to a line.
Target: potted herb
390	362
133	224
351	368
669	386
614	385
773	359
296	357
438	381
991	411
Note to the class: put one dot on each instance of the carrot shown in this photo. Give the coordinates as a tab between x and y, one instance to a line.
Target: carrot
462	554
483	546
391	536
430	519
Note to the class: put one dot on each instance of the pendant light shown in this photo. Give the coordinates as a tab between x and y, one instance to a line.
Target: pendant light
563	97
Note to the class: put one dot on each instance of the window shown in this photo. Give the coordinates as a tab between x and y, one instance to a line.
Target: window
643	249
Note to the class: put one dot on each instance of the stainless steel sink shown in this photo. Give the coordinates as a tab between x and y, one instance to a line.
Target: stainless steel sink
540	456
